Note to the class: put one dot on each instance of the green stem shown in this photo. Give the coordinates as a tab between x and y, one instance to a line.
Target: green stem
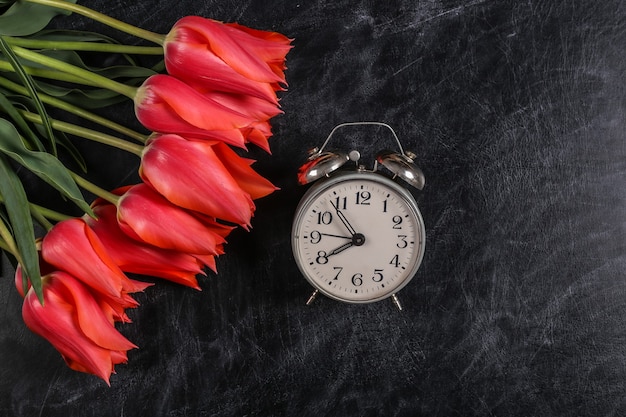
102	18
4	246
59	65
39	217
49	74
43	213
70	108
11	246
89	134
49	214
94	189
84	46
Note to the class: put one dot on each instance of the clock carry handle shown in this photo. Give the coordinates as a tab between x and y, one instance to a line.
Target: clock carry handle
320	163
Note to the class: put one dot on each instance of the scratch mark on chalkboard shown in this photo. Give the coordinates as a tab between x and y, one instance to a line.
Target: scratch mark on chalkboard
53	383
458	9
407	66
454	10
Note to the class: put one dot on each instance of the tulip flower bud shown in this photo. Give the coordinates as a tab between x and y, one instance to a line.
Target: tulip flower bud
73	321
167	105
189	174
71	246
227	57
145	215
141	258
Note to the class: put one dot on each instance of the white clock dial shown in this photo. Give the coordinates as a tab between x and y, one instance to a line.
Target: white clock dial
358	237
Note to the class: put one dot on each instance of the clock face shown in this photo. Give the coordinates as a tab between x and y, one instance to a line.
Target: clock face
358	237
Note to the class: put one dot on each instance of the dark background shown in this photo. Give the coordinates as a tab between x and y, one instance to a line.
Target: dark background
516	112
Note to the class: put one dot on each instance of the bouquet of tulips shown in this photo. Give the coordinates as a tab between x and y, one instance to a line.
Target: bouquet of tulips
212	95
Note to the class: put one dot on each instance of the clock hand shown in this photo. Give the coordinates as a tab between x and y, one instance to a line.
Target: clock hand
339	249
344	220
331	235
357	240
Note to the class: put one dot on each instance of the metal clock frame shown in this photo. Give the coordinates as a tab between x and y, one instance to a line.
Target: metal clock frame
359	174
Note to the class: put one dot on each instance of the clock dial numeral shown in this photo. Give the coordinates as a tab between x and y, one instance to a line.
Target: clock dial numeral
378	275
338	269
402	243
341	203
322	258
385	206
324	217
397	221
363	198
357	279
315	237
395	261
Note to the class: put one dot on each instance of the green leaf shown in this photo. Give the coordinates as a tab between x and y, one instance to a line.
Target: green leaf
26	103
4	220
21	124
23	19
16	203
86	98
9	256
28	82
45	166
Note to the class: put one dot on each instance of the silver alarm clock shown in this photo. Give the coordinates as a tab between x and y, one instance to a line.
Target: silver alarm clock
358	235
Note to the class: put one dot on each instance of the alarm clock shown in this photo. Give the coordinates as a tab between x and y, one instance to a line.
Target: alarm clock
358	234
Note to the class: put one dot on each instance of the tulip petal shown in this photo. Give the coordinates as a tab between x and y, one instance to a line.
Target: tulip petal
57	322
258	134
190	175
195	66
193	107
247	178
92	322
145	215
138	257
253	107
271	47
208	261
236	48
72	247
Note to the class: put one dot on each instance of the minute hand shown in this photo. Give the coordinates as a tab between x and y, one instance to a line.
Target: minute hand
344	220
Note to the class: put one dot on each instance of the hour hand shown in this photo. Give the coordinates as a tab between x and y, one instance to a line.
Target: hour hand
339	249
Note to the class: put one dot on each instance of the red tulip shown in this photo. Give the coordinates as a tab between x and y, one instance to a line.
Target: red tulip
239	168
189	174
74	323
227	57
145	215
71	246
167	105
253	107
258	133
22	283
140	258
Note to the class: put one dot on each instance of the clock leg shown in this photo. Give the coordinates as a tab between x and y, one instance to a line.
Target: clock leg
396	302
312	297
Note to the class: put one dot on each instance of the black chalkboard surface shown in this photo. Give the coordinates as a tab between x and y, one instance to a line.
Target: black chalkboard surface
516	112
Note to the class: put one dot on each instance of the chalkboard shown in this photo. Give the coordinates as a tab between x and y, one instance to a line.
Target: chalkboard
516	114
